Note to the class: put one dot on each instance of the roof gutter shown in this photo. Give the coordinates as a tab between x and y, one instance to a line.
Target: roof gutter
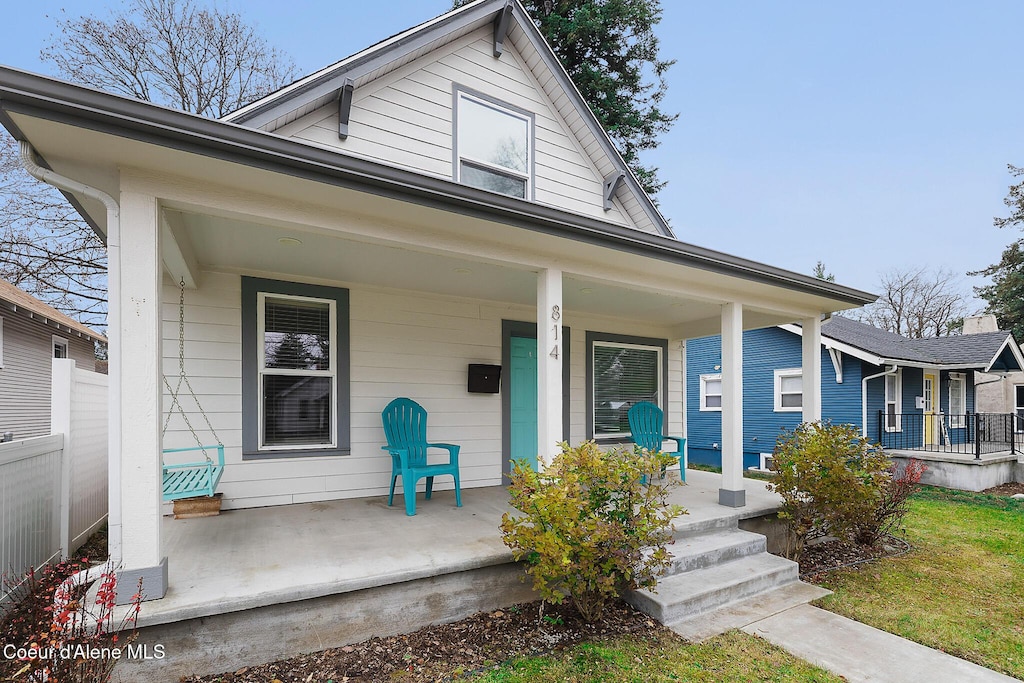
49	99
66	184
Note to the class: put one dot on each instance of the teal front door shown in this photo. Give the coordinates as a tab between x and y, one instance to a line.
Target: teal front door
523	390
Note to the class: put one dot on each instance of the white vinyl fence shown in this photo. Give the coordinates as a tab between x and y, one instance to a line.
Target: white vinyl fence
53	489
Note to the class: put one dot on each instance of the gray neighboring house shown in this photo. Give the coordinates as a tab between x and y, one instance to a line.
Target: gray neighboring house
996	392
32	334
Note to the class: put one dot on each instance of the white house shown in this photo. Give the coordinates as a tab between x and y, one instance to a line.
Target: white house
442	198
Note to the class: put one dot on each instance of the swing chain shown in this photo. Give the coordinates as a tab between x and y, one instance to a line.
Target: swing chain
183	378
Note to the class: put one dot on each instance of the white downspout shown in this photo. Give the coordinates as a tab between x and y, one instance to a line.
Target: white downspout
113	336
864	397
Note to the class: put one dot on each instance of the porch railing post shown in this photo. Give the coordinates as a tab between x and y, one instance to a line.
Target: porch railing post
880	426
977	436
1013	446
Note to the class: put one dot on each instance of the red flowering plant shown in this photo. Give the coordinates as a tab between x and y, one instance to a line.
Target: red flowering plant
54	630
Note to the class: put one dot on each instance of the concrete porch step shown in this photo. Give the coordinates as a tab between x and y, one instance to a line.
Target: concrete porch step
740	614
686	595
709	549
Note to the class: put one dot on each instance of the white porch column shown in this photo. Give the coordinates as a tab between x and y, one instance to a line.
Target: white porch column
550	351
811	376
139	354
732	493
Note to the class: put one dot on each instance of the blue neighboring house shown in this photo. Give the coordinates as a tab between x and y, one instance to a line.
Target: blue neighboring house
907	394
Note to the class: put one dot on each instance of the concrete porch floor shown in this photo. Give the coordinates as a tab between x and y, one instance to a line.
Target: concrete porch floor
244	559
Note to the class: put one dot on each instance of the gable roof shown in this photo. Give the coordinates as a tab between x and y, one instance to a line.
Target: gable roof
325	86
21	300
987	351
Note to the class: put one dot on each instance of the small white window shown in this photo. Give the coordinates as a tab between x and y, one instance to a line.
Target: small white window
789	390
297	372
957	400
60	347
711	392
494	146
893	400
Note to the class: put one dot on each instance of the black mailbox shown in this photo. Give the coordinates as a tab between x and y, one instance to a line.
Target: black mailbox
484	379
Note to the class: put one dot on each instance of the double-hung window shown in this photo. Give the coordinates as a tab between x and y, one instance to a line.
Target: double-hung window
298	371
711	392
789	390
893	397
294	369
622	374
494	145
957	400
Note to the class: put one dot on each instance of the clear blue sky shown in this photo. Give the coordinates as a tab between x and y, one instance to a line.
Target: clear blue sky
871	135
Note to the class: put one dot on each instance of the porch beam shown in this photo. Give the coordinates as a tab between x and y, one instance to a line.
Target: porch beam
140	399
811	375
550	351
732	492
176	250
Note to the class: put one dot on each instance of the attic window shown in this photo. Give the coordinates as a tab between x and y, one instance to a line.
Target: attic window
494	145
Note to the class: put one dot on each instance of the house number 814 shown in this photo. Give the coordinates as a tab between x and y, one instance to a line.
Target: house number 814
556	314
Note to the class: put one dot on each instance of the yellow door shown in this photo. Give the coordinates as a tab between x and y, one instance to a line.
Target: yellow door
931	409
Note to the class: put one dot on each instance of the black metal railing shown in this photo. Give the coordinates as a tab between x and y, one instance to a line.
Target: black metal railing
974	434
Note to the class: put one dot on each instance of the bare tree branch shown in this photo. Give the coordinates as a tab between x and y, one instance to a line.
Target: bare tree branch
917	303
171	52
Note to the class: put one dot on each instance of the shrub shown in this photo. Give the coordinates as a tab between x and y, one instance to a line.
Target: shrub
831	480
894	503
56	634
591	528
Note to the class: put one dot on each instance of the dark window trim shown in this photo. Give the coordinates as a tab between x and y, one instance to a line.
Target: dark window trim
622	339
251	287
516	328
458	89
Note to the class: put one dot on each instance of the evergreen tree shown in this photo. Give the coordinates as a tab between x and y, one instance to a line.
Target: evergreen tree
1005	296
610	51
821	273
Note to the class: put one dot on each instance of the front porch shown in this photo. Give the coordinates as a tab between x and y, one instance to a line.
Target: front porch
257	584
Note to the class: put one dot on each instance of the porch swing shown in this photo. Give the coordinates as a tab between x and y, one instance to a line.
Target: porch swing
191	479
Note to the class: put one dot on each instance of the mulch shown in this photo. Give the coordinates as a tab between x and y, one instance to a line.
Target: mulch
447	651
819	558
1010	489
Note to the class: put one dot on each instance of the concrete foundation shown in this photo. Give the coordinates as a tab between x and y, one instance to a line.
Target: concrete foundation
227	642
962	472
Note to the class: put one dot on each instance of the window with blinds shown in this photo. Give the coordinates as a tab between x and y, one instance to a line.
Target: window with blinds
298	373
623	375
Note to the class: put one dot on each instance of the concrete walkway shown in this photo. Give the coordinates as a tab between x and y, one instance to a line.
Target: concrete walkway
862	653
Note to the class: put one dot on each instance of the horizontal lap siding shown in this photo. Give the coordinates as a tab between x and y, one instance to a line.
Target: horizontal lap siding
26	372
402	344
764	351
405	118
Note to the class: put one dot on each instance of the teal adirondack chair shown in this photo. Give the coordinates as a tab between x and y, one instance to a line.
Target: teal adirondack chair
646	423
405	427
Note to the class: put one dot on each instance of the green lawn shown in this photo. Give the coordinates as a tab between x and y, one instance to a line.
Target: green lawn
960	590
734	656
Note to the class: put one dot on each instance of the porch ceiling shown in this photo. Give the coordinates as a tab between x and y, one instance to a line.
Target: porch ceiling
226	244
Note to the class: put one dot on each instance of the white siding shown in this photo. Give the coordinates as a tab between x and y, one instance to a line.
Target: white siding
405	119
25	375
402	344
